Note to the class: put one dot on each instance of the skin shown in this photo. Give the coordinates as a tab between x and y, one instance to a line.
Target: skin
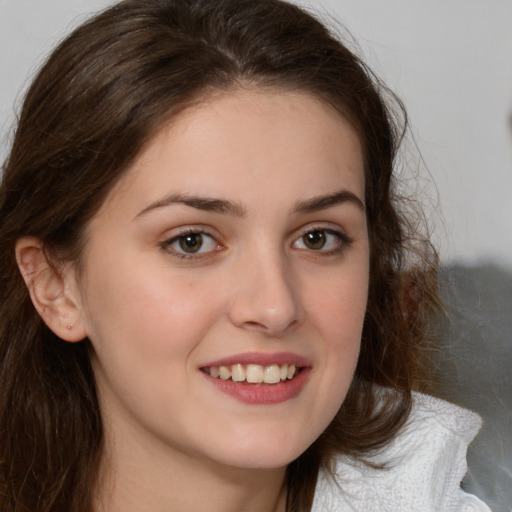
156	315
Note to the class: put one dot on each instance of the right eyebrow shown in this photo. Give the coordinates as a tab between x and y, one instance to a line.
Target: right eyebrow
327	201
209	204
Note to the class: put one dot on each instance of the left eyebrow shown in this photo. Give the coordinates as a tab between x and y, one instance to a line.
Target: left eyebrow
327	201
199	203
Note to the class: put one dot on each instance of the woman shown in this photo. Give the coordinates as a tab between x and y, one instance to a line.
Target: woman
210	299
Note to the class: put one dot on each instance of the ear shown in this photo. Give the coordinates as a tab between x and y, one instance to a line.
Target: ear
53	290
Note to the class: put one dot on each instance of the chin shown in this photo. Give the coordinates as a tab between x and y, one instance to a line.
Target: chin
260	461
258	454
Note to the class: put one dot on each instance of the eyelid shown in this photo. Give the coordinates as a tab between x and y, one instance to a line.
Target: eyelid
174	237
334	230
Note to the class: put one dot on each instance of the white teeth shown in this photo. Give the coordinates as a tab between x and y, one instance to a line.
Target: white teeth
254	373
272	374
225	372
237	373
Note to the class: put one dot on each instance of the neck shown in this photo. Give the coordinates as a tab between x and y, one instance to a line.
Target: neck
134	478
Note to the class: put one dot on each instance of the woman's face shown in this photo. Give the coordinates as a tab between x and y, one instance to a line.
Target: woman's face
234	250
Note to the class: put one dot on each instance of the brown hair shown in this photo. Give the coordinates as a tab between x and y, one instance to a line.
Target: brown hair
93	106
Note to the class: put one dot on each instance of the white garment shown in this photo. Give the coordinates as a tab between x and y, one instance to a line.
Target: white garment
425	464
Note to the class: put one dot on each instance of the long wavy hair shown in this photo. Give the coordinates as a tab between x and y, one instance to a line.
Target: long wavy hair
100	97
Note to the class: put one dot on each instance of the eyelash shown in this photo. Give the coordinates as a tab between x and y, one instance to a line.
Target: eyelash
342	242
166	245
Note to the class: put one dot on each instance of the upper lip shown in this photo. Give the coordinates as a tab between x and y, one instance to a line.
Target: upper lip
261	358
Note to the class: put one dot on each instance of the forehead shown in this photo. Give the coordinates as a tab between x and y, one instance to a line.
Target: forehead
270	140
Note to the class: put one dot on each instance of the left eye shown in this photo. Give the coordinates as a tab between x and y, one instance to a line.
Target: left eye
320	240
191	243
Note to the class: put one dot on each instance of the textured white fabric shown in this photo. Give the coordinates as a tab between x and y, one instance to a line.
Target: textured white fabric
425	464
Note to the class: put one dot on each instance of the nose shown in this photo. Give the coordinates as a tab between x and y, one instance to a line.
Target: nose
265	295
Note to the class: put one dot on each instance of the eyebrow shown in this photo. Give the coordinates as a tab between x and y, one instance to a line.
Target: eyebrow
327	201
200	203
225	206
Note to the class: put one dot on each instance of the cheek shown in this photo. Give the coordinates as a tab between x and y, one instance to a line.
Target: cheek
338	303
144	326
144	312
338	308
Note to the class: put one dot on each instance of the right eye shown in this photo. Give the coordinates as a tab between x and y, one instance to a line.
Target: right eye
191	244
322	240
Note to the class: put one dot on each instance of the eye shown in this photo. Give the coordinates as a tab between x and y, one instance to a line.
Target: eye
322	240
190	244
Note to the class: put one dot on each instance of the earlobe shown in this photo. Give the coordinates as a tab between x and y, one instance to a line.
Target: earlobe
52	289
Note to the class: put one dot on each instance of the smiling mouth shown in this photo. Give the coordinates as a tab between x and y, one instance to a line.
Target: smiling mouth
254	373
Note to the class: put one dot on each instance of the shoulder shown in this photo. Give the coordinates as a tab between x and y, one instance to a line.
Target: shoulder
423	467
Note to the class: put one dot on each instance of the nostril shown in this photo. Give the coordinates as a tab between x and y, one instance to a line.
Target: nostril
254	325
270	329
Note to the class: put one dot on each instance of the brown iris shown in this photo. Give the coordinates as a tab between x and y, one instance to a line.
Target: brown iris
191	242
314	240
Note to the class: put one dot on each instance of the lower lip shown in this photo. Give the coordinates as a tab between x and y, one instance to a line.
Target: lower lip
262	394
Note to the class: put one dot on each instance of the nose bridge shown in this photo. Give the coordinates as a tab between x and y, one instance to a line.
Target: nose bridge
265	296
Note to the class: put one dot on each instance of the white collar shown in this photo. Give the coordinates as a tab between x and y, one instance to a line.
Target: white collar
425	464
